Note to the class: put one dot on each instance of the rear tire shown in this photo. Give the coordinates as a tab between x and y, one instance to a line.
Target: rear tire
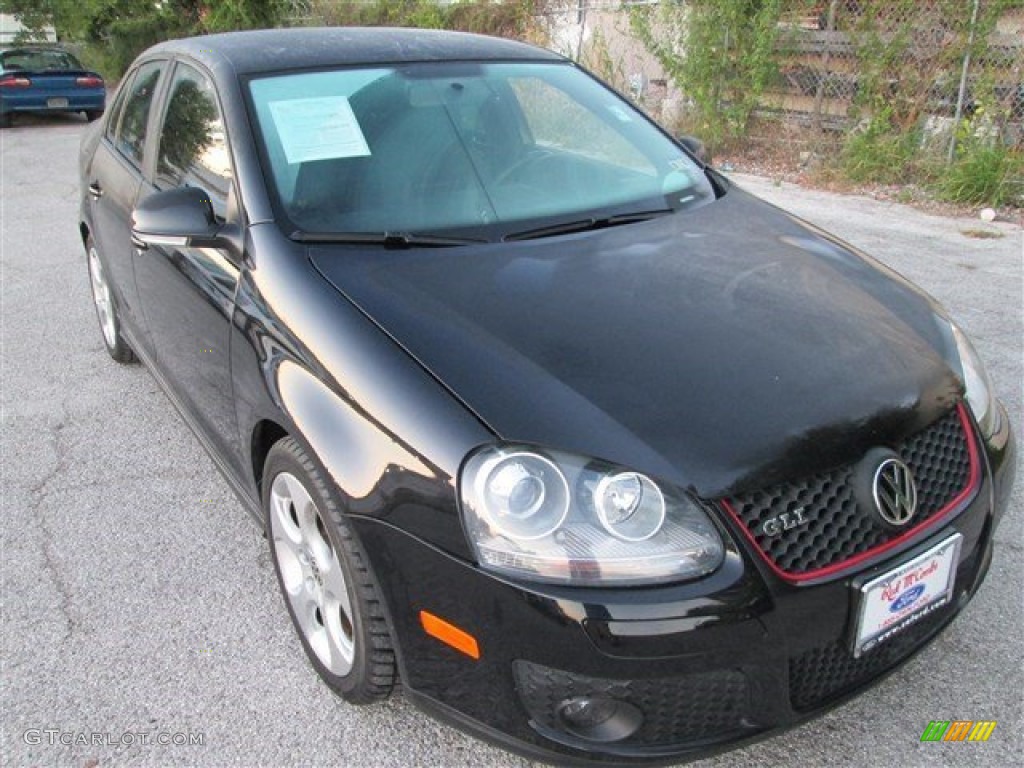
106	308
332	597
92	114
5	119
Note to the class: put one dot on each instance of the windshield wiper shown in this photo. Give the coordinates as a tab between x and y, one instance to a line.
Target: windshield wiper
387	239
585	225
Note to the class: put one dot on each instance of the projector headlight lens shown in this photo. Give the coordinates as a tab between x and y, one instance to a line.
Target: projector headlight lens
629	505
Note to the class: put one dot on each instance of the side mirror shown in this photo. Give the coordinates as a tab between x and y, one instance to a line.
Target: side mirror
180	217
697	148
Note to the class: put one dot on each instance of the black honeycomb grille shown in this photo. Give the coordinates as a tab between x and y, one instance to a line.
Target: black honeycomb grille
828	672
838	526
676	710
940	459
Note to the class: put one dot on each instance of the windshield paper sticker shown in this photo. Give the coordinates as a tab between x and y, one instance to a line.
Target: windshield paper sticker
318	129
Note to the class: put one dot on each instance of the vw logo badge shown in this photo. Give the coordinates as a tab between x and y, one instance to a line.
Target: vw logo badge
894	492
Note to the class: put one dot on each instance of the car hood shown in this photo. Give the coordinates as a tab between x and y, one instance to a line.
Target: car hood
722	349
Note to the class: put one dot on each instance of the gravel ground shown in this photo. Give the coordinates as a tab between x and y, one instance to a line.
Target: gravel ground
137	598
800	162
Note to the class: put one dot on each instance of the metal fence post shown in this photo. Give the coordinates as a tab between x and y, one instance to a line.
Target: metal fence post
958	115
718	85
581	18
819	95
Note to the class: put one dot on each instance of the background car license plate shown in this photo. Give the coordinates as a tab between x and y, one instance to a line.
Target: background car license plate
56	103
897	599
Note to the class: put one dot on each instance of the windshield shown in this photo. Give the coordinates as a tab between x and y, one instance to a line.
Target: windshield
482	150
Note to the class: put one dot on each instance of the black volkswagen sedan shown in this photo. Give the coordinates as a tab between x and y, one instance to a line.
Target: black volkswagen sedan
605	459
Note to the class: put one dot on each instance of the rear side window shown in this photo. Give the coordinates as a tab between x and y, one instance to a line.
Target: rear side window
131	136
114	113
193	146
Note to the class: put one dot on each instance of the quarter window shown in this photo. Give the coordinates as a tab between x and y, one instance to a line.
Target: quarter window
193	147
114	113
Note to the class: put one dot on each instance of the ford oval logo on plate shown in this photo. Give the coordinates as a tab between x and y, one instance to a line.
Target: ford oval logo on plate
906	599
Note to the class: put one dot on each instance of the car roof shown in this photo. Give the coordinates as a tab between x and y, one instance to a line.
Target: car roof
36	49
269	50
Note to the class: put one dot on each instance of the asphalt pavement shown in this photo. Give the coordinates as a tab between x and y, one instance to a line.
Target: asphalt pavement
137	598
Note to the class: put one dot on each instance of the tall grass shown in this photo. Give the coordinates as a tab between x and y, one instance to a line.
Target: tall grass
984	175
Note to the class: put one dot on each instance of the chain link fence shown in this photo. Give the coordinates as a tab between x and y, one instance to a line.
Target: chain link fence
929	64
888	89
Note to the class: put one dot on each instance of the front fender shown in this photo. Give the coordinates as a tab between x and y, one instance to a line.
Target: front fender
387	434
355	452
375	473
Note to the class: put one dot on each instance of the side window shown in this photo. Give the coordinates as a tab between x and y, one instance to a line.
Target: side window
131	137
193	147
114	113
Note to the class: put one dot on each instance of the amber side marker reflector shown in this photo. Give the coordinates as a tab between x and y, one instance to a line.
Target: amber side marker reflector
449	634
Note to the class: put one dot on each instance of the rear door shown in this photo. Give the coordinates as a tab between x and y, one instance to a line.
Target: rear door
113	180
188	294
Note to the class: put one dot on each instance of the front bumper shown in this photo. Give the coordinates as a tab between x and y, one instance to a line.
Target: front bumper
712	664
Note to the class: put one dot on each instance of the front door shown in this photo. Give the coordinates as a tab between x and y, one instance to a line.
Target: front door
188	294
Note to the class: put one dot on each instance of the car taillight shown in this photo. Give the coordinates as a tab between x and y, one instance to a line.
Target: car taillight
89	81
14	82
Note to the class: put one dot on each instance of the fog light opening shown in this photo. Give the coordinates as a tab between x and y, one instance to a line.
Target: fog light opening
599	718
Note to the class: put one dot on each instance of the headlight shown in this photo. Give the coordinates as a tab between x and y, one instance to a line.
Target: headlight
526	495
550	516
977	384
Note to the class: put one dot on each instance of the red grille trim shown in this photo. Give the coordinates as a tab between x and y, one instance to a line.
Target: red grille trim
934	520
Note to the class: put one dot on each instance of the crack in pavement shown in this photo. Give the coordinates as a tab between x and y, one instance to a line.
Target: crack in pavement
51	561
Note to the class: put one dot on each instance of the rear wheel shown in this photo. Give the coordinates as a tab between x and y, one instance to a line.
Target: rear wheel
332	597
93	114
5	119
106	309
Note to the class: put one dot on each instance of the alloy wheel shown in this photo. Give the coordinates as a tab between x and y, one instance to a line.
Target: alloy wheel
101	297
311	573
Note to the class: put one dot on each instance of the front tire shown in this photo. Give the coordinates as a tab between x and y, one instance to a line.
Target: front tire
106	309
323	573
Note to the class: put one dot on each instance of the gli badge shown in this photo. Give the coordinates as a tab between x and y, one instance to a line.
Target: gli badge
787	521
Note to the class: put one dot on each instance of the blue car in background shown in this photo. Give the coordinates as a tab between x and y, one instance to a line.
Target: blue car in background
47	80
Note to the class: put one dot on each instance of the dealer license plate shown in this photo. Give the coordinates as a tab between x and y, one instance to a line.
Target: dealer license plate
56	103
893	601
